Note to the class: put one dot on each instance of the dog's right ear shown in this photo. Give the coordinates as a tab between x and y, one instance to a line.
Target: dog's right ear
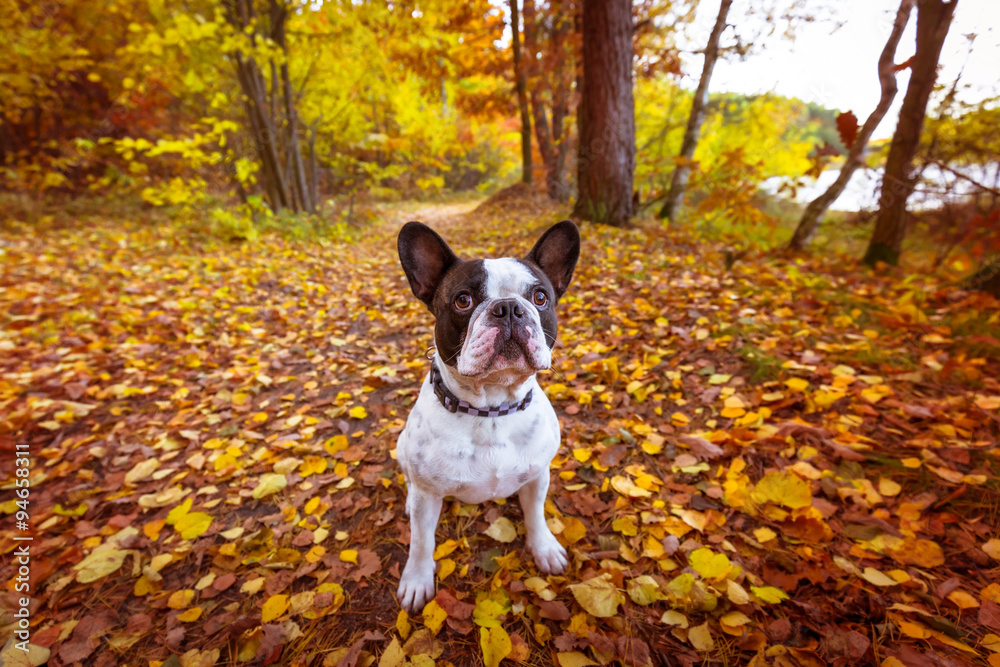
425	258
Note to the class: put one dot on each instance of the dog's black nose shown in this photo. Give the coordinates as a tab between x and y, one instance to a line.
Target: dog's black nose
507	308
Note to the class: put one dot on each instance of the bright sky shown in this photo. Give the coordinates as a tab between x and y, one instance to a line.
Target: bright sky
837	67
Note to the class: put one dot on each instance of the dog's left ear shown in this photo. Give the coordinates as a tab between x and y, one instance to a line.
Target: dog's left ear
556	254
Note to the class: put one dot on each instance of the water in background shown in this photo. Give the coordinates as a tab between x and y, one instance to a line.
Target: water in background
863	190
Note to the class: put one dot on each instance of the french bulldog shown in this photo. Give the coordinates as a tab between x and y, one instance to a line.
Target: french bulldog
481	428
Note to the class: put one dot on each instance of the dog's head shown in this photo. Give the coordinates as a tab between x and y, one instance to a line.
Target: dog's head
496	319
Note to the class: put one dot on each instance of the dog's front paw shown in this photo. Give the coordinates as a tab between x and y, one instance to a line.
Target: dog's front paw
550	556
416	588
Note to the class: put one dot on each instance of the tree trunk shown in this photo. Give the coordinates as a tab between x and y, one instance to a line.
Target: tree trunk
933	21
887	77
678	183
279	17
522	94
557	187
606	155
530	64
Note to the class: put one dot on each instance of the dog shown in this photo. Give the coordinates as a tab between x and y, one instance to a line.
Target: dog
481	427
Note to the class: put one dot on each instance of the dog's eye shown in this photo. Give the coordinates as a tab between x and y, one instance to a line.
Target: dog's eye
463	302
540	298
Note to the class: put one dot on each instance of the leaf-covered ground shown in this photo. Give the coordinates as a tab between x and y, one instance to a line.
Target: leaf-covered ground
788	462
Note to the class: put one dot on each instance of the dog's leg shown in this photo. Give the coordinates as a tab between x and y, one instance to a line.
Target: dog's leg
550	556
416	586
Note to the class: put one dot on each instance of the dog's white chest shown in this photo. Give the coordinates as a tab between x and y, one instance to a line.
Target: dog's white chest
475	459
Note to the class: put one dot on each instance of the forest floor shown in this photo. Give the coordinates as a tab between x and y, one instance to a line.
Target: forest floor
790	461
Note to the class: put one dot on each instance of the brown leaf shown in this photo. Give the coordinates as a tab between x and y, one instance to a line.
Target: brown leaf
553	610
702	449
453	606
350	659
989	614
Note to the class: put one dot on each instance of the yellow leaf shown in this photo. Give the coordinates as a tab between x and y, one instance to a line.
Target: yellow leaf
269	484
784	488
190	616
393	656
275	606
179	511
887	487
336	444
992	548
403	624
349	556
313	465
892	662
644	590
502	530
574	659
797	384
701	637
769	594
358	412
598	596
193	525
911	629
873	576
625	525
574	530
434	616
709	565
496	645
764	534
180	599
991	642
141	471
626	487
674	617
736	593
99	564
732	623
490	607
252	586
962	600
445	567
444	549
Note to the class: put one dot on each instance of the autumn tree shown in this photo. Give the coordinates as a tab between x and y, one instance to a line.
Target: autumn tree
855	157
606	115
678	183
933	21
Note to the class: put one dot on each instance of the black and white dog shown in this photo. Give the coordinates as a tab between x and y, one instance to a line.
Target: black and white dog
481	428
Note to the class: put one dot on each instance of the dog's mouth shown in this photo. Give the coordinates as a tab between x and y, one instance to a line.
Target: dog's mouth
514	351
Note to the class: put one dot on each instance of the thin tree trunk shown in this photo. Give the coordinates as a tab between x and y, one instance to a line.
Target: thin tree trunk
933	21
522	94
887	77
557	187
279	17
678	183
606	162
265	137
530	67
